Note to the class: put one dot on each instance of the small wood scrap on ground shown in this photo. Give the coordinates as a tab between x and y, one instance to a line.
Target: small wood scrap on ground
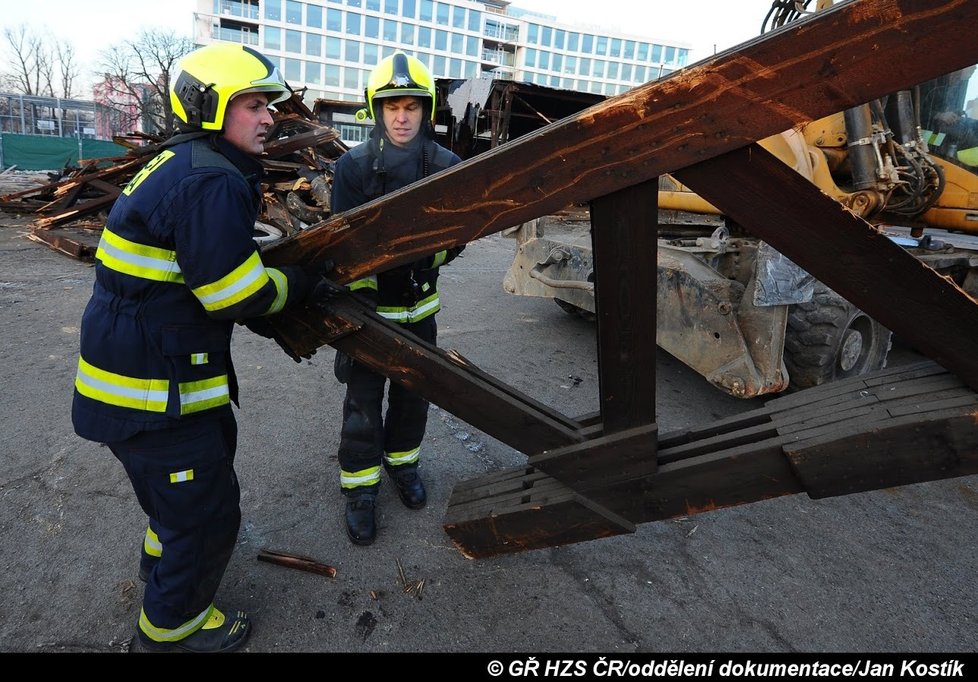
415	587
296	561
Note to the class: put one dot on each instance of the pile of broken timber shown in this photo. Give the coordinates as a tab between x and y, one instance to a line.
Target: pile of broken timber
70	212
902	425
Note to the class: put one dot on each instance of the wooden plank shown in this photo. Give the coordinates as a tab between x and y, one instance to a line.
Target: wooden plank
722	441
599	462
563	521
860	263
902	451
834	60
716	428
624	247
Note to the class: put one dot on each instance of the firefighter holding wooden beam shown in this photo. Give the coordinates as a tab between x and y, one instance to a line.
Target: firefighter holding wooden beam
176	267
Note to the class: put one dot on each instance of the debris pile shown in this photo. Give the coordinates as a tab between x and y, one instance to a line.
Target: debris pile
69	211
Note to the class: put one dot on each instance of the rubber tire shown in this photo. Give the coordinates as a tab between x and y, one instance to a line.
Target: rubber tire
572	309
830	339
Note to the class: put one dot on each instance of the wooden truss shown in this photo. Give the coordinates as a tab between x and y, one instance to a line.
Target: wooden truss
600	475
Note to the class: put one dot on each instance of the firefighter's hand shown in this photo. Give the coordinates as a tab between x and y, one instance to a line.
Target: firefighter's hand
324	293
262	327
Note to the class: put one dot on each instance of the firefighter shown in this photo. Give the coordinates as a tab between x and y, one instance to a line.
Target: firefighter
400	97
176	267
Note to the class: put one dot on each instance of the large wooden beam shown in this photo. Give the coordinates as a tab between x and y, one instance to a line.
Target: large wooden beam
624	246
842	57
845	252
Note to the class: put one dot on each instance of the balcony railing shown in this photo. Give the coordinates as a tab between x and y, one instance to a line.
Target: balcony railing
505	33
234	36
239	9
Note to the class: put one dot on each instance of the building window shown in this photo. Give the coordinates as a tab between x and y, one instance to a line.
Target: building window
351	3
643	52
570	64
293	70
351	133
601	46
626	72
456	68
353	23
557	62
371	27
683	57
273	38
407	34
587	44
457	42
615	47
546	36
408	9
657	54
560	36
390	6
293	41
471	70
351	78
390	30
612	70
440	67
441	40
332	75
629	52
373	5
369	53
352	53
424	36
532	33
427	10
273	10
530	57
475	19
293	12
670	55
441	18
573	42
314	16
584	68
314	44
334	20
314	73
332	47
598	71
472	46
640	74
458	18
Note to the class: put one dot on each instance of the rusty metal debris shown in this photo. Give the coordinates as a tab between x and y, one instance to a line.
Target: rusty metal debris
296	561
69	211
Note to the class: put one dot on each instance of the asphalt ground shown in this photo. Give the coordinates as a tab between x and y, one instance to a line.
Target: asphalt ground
887	571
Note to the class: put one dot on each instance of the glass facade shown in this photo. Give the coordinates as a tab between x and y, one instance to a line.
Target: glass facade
329	46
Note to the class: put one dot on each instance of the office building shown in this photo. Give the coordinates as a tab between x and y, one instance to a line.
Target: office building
330	46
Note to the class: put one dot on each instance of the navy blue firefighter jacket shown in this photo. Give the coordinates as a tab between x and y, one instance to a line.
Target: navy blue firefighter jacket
176	266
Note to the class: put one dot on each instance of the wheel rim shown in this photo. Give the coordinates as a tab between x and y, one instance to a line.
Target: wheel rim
856	343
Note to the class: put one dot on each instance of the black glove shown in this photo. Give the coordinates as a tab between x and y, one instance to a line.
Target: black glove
263	327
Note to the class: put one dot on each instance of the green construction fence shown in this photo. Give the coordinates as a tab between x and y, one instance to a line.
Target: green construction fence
40	152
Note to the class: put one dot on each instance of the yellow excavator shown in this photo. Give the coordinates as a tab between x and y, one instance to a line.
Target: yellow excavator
907	163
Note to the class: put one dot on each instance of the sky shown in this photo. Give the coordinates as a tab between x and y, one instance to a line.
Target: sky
705	25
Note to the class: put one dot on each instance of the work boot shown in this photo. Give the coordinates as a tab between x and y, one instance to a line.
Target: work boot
409	487
219	634
361	526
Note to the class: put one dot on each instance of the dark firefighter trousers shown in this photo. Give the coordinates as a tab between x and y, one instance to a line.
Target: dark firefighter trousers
196	520
367	433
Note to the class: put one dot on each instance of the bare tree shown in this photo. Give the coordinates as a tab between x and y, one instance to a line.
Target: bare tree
67	68
29	57
137	78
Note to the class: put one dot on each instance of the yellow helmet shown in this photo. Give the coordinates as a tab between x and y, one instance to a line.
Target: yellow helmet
210	77
400	75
